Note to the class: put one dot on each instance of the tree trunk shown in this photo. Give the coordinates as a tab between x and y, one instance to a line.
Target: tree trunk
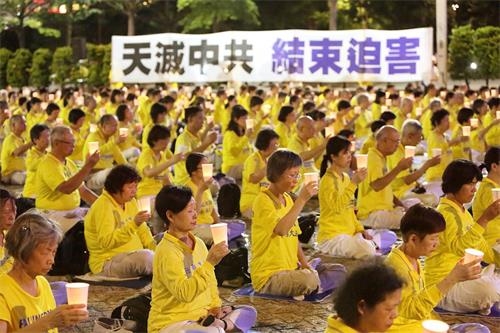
21	33
131	23
332	4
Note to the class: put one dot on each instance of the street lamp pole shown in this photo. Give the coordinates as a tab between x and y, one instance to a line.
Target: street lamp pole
442	39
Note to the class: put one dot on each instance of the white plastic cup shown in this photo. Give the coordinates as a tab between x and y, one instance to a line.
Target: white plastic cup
93	128
208	170
494	92
362	161
250	123
310	177
144	204
496	193
357	109
472	254
474	122
466	130
353	146
442	94
266	109
388	102
435	326
410	151
93	147
77	293
219	232
418	112
436	152
498	114
329	131
123	131
210	119
59	121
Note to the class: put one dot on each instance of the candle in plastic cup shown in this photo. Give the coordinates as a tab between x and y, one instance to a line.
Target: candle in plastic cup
210	119
335	93
208	171
466	130
498	114
249	123
435	326
442	94
418	112
310	177
474	122
266	109
124	131
77	293
362	161
357	109
93	147
472	254
436	152
329	131
353	146
387	94
93	128
410	151
144	204
494	92
487	94
59	121
388	102
219	232
401	93
496	193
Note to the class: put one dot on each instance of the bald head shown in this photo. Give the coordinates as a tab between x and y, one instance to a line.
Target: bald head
304	121
388	139
386	131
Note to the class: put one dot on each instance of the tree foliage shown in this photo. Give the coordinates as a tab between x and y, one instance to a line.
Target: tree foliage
18	68
5	55
40	68
487	53
461	52
62	64
216	15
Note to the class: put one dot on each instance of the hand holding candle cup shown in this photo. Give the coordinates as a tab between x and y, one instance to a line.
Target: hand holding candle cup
474	122
77	293
208	171
418	112
388	102
249	123
435	326
311	177
472	255
93	128
329	131
123	131
93	147
410	151
362	161
219	232
210	119
144	204
466	130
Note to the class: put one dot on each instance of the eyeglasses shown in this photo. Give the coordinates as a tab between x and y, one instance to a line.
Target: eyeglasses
295	177
67	142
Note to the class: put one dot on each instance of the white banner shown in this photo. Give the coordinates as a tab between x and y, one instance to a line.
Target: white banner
280	55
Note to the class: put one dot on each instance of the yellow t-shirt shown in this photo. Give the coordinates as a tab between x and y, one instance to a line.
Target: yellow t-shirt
20	309
376	111
250	190
80	137
235	150
314	142
417	298
32	119
219	109
368	199
111	230
362	124
425	120
33	158
271	253
492	137
337	326
152	185
336	203
459	150
50	174
437	140
461	233
186	143
399	187
144	112
207	204
298	147
284	133
9	162
370	142
131	140
482	200
109	151
7	265
184	285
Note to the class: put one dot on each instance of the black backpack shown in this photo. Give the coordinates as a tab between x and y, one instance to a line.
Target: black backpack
307	224
72	256
135	309
233	266
228	201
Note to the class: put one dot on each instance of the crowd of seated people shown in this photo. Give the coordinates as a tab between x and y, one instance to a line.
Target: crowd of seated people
94	157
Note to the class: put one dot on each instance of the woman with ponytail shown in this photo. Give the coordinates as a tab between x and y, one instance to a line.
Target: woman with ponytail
340	233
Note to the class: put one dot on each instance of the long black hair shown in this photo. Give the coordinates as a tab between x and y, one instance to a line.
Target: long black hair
237	112
335	145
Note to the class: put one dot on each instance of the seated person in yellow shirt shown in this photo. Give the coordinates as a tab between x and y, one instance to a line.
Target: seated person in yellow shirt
14	150
285	125
462	150
378	104
52	112
130	147
59	183
115	100
377	206
388	117
254	169
7	217
118	238
158	116
493	107
35	115
364	119
370	142
340	233
406	181
403	113
153	96
278	265
191	140
420	227
26	300
185	297
236	145
109	150
484	195
40	137
367	301
463	232
76	120
205	204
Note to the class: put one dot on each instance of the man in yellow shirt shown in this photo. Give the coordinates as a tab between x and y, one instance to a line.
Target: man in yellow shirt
154	96
362	123
376	200
59	184
40	138
14	150
192	141
420	227
109	150
403	113
402	186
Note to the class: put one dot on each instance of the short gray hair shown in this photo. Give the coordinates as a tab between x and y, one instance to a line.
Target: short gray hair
58	133
29	231
410	126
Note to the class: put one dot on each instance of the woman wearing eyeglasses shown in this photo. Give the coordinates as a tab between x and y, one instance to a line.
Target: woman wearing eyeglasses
278	265
26	300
